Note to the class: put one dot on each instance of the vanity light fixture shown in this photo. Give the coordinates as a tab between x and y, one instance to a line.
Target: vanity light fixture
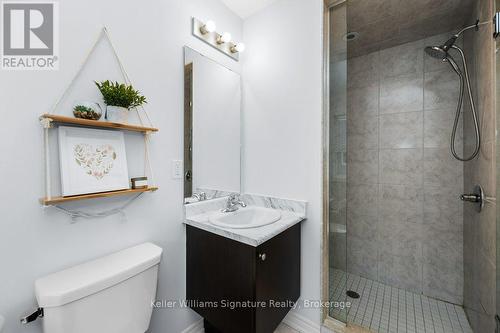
238	47
224	38
206	31
208	27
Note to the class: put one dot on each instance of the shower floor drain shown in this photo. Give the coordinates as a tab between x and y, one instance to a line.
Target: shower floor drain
352	294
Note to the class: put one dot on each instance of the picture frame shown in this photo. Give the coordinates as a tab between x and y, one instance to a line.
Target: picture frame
92	161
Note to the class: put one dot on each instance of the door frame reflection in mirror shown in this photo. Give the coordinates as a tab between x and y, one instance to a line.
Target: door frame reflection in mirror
205	192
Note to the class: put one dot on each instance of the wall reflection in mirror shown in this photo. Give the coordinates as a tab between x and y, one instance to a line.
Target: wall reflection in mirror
212	123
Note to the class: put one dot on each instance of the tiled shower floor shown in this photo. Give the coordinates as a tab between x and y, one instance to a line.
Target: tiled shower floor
383	308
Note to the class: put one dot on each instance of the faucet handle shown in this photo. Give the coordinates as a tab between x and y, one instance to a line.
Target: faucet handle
234	196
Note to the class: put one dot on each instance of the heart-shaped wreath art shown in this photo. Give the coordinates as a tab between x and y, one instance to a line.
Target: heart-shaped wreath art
96	162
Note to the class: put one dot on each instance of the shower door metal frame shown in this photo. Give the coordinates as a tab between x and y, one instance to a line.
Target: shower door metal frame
326	319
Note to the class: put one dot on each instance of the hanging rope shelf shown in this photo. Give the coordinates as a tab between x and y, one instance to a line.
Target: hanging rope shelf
96	124
47	120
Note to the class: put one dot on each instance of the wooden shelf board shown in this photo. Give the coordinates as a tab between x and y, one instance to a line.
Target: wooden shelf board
58	200
96	123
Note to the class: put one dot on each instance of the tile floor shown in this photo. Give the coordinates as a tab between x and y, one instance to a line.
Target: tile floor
382	308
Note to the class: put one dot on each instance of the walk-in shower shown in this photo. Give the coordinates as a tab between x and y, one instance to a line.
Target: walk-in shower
417	74
442	52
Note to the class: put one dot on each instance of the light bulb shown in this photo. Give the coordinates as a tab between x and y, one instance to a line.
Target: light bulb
224	38
238	48
208	27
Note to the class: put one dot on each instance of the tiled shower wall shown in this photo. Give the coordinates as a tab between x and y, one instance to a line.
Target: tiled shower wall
404	219
480	228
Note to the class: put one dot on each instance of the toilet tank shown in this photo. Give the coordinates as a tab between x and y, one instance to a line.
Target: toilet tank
112	294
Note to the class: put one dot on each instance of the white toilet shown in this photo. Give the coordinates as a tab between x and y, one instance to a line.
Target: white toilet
112	294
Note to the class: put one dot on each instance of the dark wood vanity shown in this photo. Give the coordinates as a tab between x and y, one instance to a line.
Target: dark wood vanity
220	271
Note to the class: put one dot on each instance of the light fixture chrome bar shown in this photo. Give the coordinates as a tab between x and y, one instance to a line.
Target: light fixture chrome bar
214	39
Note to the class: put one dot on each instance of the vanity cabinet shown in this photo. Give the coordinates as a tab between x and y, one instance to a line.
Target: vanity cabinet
221	272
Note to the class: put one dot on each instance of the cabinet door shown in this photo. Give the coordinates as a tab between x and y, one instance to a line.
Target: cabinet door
220	270
277	278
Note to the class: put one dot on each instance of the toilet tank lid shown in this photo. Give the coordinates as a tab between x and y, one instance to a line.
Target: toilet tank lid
91	277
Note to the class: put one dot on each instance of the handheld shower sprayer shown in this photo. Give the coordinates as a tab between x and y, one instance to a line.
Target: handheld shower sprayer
442	52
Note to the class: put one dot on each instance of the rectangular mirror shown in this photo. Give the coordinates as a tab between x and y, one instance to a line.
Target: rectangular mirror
212	123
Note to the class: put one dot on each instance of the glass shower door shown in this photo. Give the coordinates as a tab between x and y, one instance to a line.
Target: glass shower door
337	160
497	165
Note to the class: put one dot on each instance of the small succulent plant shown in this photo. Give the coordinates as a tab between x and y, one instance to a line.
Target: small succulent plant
85	112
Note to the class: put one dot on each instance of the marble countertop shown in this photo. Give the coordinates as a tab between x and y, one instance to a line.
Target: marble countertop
251	236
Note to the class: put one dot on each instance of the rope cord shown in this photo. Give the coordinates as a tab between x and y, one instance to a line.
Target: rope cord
124	72
147	162
104	33
80	69
77	214
46	157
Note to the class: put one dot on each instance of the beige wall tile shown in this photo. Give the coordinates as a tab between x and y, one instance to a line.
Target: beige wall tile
401	130
441	90
362	166
401	167
401	93
438	126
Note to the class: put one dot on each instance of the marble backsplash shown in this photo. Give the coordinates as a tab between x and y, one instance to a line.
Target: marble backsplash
213	194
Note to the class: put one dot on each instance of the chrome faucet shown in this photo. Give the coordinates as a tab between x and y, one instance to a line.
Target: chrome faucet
233	201
202	196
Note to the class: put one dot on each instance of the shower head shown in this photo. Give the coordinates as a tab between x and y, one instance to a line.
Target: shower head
441	52
436	52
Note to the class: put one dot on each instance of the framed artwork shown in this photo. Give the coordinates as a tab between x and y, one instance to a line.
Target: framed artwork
92	160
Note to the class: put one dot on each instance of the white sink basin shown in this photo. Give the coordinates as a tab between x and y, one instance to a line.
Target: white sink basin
246	218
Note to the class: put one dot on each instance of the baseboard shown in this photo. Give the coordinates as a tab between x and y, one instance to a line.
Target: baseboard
196	327
292	319
300	323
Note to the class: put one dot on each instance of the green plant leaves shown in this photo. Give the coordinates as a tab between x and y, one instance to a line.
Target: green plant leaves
120	94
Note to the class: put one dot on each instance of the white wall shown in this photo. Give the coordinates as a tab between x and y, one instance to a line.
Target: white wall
282	118
149	36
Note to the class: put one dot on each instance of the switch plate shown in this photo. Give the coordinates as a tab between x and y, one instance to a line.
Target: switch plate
177	169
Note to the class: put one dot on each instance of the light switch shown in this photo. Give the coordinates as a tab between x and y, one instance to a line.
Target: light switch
177	169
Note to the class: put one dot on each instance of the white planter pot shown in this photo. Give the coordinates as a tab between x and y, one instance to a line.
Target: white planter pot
116	114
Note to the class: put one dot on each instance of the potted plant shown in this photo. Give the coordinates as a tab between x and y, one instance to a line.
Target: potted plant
87	110
119	99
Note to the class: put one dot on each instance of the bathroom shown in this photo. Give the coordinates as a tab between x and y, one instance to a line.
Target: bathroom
306	125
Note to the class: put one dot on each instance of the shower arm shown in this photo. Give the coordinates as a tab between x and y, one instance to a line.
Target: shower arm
474	26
